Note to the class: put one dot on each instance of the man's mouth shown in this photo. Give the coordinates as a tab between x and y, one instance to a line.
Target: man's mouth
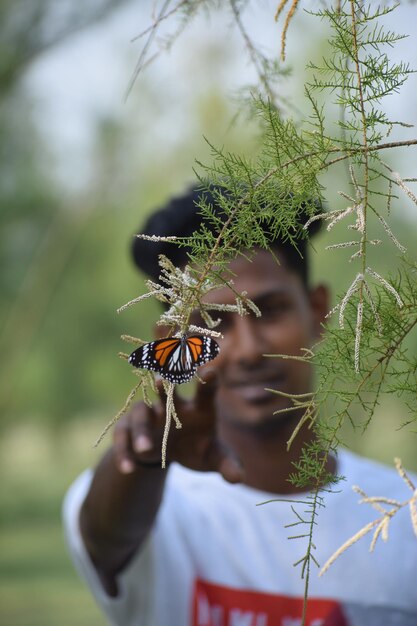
254	389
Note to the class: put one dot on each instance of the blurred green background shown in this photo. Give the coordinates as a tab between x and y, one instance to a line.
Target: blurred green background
68	208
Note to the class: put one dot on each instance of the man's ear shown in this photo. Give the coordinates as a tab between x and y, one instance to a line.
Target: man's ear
319	303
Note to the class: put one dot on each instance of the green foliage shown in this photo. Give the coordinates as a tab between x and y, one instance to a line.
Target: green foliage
357	47
388	364
272	189
285	175
367	355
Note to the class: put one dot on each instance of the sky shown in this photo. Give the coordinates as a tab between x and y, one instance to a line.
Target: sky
86	77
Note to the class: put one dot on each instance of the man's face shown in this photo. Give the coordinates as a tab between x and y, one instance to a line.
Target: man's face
290	321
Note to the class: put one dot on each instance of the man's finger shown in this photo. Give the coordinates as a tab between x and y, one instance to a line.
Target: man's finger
122	450
206	390
142	436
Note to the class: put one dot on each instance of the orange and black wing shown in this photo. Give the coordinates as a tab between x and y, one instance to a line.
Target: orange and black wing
202	348
175	359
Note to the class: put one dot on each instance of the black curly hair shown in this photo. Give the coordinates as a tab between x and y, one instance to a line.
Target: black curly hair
181	217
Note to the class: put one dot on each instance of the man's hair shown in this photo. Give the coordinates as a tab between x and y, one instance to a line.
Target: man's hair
181	217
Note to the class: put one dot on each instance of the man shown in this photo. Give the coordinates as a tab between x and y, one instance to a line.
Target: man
188	546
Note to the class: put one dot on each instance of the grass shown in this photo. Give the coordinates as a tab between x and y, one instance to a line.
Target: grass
38	584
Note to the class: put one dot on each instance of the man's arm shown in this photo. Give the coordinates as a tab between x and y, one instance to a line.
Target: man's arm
126	492
118	513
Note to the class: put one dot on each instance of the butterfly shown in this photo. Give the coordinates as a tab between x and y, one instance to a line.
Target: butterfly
175	359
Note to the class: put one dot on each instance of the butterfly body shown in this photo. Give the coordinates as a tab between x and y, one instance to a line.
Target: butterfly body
175	359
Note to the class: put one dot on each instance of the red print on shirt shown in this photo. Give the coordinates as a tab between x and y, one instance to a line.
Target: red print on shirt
216	605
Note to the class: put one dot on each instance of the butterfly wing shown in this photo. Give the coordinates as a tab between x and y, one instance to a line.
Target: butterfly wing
175	359
202	348
156	355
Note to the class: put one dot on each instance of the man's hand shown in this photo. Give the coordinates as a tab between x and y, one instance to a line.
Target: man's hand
138	434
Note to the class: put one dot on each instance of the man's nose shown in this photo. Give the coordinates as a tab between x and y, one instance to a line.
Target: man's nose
247	345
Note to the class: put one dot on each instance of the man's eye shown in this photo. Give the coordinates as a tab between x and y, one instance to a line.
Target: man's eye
224	323
197	320
275	309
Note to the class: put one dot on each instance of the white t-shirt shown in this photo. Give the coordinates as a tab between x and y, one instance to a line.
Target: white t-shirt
215	558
